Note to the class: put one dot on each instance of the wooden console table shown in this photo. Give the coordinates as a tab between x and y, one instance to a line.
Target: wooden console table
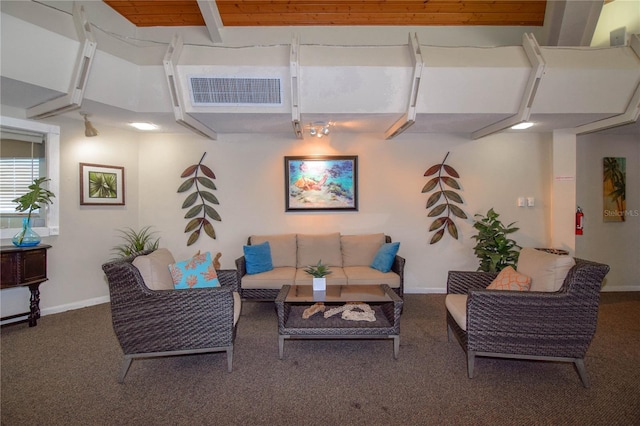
25	267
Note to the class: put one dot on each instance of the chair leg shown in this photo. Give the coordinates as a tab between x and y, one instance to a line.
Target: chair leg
230	359
582	372
470	359
125	368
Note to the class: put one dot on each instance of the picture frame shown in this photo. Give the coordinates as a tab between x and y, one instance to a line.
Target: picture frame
101	185
321	183
614	187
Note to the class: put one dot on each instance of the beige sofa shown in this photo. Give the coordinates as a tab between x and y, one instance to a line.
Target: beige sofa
348	256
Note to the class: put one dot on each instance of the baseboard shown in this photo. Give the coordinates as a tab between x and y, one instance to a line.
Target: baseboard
63	308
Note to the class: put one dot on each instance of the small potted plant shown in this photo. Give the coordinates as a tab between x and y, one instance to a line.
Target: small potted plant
135	241
319	272
36	198
494	248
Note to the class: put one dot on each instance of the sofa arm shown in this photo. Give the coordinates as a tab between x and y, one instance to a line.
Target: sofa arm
398	268
229	278
241	266
461	282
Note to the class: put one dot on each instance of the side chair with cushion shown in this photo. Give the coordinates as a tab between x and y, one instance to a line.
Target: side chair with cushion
152	319
555	320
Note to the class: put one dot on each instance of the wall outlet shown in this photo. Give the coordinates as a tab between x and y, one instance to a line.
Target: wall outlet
618	37
530	201
520	202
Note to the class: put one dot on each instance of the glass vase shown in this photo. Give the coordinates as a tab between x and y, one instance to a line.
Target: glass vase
27	237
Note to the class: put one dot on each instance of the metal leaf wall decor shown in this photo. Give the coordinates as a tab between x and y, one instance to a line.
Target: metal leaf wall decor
446	178
197	201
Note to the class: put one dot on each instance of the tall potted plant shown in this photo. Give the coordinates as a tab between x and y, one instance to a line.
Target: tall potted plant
36	198
319	273
494	248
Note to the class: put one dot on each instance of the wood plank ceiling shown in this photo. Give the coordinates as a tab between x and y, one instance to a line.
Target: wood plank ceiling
336	12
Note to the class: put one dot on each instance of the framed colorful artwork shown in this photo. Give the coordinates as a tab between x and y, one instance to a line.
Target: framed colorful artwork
614	187
101	185
321	183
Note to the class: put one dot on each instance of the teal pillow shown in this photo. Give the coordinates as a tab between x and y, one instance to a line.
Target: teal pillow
258	258
385	257
197	272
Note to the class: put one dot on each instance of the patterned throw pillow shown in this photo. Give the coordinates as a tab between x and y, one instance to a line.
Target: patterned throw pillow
197	272
509	279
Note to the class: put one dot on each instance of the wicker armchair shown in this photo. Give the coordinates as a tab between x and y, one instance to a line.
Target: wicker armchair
557	326
152	323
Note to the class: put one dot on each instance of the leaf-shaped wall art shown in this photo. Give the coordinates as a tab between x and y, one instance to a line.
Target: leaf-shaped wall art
200	213
441	201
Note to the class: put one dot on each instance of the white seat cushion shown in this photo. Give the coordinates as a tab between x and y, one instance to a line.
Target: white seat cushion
275	278
457	306
237	307
547	270
367	275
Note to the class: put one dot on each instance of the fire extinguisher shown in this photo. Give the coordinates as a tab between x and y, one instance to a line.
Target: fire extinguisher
579	221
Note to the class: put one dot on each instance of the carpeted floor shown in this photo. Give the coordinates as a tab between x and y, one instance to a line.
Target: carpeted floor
65	370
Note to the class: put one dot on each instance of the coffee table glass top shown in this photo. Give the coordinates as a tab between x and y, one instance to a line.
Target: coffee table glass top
338	293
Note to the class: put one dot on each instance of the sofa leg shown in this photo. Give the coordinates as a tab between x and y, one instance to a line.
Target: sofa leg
470	359
230	359
125	368
582	372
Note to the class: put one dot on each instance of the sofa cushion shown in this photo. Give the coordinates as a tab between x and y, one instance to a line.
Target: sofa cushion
359	250
196	272
258	258
547	270
457	306
275	278
383	260
366	275
336	277
324	247
510	279
154	268
283	248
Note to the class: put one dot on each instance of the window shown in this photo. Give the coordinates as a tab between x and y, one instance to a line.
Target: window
28	150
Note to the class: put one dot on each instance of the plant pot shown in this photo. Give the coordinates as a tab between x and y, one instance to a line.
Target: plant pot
27	237
319	284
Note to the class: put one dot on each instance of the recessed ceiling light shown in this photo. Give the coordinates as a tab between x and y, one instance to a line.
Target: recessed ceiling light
144	126
522	126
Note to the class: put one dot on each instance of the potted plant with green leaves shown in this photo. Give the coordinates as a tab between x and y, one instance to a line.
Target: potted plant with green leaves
493	247
136	241
319	273
36	198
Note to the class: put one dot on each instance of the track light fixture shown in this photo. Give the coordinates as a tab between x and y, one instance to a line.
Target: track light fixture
319	129
89	130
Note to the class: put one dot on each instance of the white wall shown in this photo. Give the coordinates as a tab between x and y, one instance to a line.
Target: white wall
615	15
494	171
250	180
86	232
614	243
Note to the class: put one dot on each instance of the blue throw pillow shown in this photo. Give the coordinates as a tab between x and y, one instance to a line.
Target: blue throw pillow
385	257
197	272
258	258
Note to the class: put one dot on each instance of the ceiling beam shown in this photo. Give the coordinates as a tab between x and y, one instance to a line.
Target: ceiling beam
72	100
532	49
170	63
212	19
409	117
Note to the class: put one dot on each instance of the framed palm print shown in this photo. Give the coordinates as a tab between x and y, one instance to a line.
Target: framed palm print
325	183
101	185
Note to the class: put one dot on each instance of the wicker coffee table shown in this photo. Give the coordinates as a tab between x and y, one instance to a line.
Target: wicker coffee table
293	300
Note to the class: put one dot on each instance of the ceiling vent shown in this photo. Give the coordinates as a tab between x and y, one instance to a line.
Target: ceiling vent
207	91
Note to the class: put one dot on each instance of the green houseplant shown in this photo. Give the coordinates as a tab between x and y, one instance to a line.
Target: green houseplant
34	199
135	241
319	273
493	247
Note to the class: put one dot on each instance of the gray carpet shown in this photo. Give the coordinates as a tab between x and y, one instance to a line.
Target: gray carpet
64	371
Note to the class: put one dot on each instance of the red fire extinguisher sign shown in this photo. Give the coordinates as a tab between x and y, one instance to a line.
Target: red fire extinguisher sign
579	221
